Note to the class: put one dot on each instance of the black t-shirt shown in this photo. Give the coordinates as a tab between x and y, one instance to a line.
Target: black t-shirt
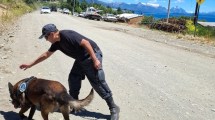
69	44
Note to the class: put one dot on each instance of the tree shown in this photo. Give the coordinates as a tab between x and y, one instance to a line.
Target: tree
83	5
119	10
78	9
69	1
30	1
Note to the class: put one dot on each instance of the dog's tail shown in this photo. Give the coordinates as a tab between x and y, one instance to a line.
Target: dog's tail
78	104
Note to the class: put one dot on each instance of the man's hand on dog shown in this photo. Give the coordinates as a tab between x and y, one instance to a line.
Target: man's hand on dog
24	66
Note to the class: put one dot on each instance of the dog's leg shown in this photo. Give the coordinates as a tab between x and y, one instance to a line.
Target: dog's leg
22	111
65	109
32	111
44	114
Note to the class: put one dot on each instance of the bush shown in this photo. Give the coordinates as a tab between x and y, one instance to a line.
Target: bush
147	20
190	27
208	32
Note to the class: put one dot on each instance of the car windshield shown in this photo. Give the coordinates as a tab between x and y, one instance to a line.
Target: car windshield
110	15
45	8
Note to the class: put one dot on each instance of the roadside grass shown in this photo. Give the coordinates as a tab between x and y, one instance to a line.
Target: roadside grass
14	9
207	32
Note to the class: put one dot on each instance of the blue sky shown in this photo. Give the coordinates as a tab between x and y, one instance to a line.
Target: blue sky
188	5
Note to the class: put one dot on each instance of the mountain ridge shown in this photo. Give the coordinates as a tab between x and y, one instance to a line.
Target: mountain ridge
142	8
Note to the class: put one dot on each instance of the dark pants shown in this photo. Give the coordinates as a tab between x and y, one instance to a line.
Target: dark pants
95	77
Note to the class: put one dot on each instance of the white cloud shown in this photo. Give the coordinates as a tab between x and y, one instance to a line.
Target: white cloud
179	1
151	4
190	11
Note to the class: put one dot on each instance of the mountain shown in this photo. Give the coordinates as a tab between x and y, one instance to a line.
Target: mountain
156	11
140	8
177	10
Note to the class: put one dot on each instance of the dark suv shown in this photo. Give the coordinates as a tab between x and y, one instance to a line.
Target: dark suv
53	8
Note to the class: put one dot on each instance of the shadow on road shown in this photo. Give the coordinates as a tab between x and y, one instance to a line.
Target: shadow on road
10	115
96	115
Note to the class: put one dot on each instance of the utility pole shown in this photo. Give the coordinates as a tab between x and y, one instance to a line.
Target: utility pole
73	8
198	3
168	12
196	17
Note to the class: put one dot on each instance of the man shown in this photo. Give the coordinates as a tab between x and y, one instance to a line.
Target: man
88	61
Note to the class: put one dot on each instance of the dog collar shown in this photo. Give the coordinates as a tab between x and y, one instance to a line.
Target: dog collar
23	86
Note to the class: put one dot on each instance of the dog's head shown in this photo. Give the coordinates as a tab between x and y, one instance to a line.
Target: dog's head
18	100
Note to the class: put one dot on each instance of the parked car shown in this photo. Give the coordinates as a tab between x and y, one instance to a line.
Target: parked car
110	18
93	14
45	10
60	10
53	9
66	11
82	14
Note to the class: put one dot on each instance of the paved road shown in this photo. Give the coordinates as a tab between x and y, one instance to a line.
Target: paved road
150	80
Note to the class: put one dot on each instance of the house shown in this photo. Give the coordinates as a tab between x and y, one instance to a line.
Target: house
130	18
207	24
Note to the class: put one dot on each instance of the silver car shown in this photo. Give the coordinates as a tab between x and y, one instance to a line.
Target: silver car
66	11
45	10
110	18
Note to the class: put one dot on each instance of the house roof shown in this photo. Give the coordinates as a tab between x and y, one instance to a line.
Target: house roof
207	24
128	15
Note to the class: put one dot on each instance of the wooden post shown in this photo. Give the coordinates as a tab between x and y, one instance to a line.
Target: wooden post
196	17
168	12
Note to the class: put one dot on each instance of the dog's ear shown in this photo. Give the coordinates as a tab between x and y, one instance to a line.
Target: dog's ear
10	86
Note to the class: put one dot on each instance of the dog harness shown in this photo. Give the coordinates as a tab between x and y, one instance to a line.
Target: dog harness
24	85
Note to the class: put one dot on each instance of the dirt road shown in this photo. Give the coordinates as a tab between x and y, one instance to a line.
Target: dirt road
153	75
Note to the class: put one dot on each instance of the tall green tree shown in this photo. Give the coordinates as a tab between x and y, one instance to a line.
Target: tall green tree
119	10
83	4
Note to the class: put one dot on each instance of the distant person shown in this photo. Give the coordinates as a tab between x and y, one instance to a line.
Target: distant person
88	61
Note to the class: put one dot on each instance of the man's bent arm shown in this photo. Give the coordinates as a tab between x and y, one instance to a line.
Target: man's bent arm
88	47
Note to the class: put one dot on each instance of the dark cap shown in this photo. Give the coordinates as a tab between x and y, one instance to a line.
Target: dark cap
47	29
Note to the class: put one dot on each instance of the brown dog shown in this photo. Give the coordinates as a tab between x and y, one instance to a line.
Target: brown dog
47	95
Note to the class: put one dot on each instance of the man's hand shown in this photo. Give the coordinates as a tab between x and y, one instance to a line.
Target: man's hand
97	64
24	66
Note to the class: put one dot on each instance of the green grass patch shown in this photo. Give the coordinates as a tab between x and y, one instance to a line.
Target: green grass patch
207	32
14	9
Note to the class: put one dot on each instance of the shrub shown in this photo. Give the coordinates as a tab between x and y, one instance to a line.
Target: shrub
190	27
147	20
208	32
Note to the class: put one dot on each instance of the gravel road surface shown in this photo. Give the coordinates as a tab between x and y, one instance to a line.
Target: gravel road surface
153	75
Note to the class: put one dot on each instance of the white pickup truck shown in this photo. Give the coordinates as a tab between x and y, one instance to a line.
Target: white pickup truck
92	13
